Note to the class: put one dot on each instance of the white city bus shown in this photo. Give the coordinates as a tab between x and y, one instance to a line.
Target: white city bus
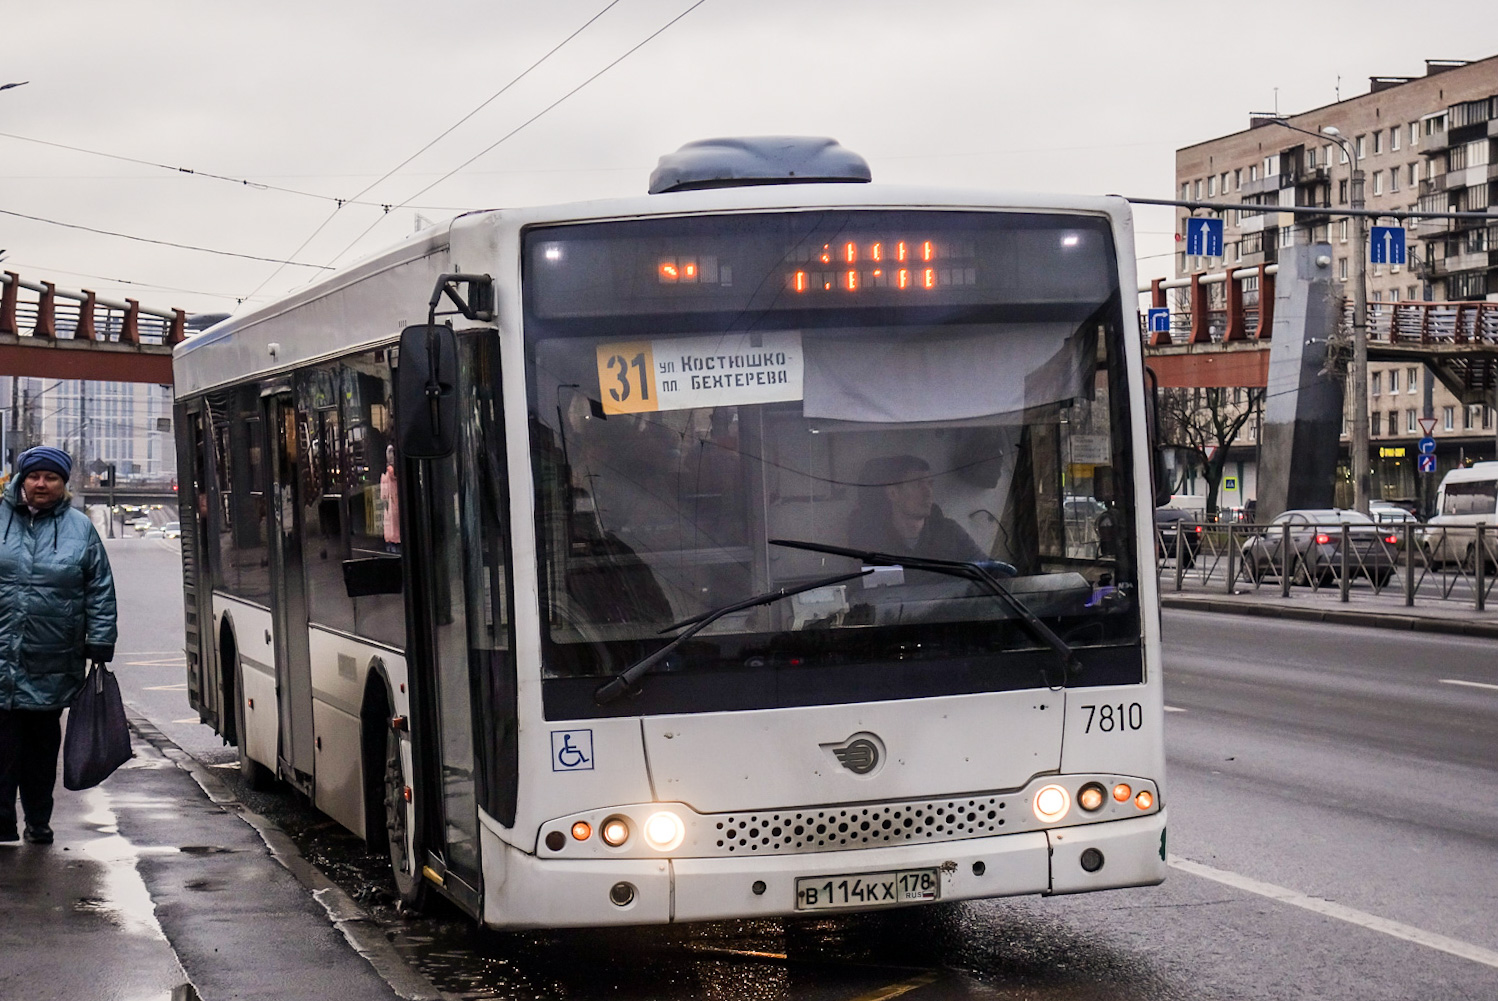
769	544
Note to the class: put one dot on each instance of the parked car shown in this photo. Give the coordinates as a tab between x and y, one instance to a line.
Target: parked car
172	530
1390	513
1173	524
1316	547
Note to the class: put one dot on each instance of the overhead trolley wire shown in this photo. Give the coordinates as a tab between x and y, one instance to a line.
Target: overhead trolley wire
163	243
385	176
508	135
241	181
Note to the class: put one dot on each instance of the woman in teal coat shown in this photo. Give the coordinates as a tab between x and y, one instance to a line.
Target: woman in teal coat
57	613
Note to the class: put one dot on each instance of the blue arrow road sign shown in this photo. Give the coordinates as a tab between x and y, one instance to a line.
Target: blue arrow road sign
1427	463
1159	321
1204	237
1426	446
1386	245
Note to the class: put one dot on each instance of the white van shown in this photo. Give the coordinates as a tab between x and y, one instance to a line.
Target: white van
1466	498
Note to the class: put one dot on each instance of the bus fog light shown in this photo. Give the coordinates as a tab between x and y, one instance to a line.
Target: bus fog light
1092	860
1144	800
1051	804
621	894
582	830
1122	792
615	831
664	831
1090	797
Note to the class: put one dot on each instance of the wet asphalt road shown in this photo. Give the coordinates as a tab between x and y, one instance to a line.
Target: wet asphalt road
1334	828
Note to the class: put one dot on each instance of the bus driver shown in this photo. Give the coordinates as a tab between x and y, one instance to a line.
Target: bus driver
898	514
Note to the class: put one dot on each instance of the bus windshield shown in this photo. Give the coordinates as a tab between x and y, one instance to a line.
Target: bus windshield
924	384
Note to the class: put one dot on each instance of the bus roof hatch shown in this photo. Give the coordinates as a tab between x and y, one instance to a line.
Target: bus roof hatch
731	163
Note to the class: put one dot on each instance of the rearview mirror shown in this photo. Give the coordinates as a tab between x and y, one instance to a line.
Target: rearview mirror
426	400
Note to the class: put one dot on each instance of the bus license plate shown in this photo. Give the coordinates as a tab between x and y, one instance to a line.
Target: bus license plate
869	889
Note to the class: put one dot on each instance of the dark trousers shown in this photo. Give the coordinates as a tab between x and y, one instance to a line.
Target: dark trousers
29	742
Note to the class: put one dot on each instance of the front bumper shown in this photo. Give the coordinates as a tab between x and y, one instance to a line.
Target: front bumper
523	891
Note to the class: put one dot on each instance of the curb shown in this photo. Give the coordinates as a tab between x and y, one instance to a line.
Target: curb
362	932
1336	616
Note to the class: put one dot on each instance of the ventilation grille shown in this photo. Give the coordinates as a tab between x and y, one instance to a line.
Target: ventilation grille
856	826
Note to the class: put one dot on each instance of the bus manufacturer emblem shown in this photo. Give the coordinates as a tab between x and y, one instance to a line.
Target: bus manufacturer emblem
861	753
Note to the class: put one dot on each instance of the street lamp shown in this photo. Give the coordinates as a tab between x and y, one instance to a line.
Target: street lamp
1357	445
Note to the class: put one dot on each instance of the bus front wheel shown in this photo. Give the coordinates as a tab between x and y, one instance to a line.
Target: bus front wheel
405	865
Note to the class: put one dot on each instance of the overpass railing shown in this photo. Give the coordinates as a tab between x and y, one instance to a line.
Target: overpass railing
1412	560
40	309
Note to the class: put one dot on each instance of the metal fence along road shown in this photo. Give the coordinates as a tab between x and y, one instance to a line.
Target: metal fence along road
1421	564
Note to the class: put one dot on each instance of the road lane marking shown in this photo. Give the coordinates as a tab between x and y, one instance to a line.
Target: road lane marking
190	719
1469	684
895	990
1174	709
181	686
1351	915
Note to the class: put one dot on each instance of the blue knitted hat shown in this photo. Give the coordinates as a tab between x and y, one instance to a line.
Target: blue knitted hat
47	458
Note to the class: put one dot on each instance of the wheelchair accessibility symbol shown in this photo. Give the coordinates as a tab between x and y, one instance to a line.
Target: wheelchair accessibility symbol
572	750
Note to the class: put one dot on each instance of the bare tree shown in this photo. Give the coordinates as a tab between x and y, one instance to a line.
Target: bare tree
1203	424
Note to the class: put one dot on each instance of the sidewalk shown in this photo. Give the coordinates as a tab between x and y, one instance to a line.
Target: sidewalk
1386	610
160	887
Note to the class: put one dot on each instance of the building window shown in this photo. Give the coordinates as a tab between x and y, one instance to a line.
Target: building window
1198	187
1376	383
1185	190
1448	418
1378	181
1253	172
1362	142
1378	141
1224	182
1393	422
1342	192
1414	174
1414	134
1411	378
1343	225
1375	424
1342	269
1469	417
1394	293
1487	418
1212	186
1394	179
1393	382
1343	150
1238	178
1394	139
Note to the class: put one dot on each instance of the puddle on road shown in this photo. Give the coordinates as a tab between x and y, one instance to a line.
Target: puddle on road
123	893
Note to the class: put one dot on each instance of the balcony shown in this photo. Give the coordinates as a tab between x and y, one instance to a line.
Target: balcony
1311	175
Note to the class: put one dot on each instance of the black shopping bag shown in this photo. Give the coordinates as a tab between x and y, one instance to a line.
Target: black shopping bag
98	738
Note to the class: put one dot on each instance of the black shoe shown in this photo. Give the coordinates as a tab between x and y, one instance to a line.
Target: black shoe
39	834
8	833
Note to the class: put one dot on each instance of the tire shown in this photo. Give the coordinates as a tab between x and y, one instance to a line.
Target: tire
256	776
405	851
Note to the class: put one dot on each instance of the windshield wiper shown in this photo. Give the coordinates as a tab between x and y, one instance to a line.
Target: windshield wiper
622	682
974	571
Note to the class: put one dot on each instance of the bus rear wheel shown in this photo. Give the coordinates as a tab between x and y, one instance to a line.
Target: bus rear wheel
405	867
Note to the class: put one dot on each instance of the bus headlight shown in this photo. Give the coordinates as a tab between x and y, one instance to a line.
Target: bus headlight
1051	804
1090	797
664	831
614	832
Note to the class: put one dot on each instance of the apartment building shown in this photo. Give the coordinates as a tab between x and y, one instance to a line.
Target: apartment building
1422	143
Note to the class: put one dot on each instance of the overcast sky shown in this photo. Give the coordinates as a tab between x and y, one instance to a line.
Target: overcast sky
325	97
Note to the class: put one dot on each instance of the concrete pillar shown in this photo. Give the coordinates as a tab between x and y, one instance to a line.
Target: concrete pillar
1301	439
